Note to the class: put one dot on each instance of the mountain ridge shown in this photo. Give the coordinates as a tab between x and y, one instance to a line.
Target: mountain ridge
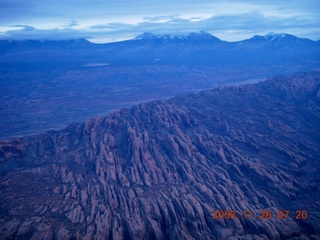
203	47
191	37
169	49
152	36
159	169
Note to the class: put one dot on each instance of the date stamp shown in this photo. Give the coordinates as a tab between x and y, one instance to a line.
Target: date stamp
262	214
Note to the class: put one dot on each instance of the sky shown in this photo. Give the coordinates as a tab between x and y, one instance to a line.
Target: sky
114	20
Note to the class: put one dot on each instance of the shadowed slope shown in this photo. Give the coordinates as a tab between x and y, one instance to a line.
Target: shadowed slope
158	170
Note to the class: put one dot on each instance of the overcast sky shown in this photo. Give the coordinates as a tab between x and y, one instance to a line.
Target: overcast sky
106	21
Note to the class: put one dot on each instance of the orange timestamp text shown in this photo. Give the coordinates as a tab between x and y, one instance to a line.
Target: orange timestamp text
262	214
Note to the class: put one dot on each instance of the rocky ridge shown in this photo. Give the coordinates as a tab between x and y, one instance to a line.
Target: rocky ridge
158	170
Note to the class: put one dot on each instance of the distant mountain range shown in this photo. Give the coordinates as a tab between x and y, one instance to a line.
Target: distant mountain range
163	169
204	37
196	49
191	38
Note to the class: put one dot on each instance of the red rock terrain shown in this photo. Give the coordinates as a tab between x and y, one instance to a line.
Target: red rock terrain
158	170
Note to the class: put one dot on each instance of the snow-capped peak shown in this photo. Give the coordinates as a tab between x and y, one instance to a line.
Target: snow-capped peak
202	36
273	36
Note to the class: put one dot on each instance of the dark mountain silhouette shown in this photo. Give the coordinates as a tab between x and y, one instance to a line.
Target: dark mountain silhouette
202	37
159	169
195	48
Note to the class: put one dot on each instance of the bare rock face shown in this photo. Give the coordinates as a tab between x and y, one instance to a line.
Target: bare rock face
160	169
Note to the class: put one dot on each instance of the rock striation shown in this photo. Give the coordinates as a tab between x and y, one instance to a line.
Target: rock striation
158	170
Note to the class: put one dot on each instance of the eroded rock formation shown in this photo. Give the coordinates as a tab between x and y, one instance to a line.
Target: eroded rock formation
158	170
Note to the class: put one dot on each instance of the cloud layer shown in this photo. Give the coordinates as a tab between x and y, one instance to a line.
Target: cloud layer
105	21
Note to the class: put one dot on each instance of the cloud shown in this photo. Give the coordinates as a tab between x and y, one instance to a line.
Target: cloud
249	23
25	28
117	20
23	32
159	19
253	23
71	24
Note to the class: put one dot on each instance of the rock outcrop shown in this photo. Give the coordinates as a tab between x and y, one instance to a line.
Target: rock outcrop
160	169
